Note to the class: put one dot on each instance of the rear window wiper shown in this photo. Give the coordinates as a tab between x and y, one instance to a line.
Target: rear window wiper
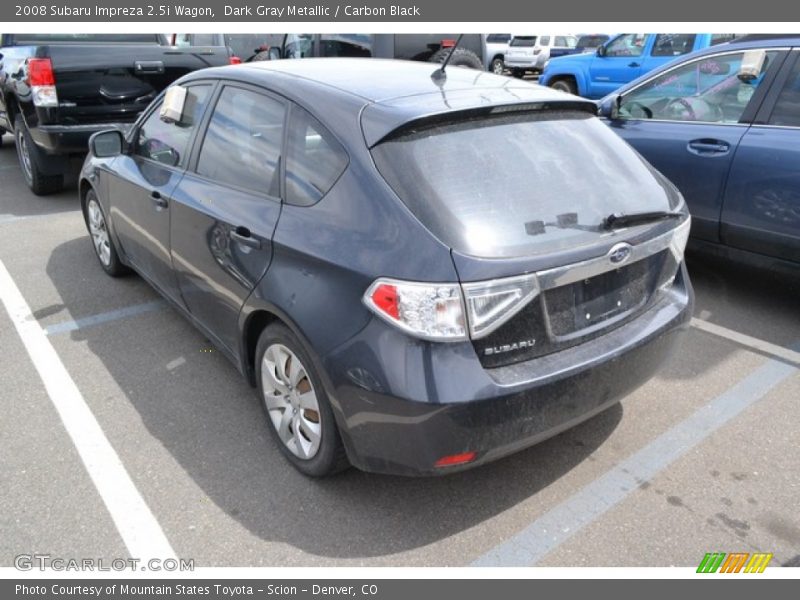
617	220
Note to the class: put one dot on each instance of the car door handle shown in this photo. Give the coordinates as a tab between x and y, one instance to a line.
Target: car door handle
241	235
634	64
705	147
159	200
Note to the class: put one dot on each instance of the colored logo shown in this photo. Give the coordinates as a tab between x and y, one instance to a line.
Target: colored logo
736	562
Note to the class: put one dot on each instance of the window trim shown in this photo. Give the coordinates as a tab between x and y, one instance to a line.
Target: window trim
754	105
191	166
767	108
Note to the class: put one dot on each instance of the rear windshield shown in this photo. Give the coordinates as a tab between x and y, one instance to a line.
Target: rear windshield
110	38
524	40
522	184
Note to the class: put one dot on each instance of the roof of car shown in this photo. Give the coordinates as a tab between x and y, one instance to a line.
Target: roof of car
392	92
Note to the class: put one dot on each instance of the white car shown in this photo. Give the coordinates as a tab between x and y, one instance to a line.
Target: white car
529	53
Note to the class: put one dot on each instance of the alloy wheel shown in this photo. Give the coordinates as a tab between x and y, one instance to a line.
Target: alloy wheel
291	401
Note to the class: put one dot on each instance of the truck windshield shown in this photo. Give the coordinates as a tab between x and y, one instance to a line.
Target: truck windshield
520	184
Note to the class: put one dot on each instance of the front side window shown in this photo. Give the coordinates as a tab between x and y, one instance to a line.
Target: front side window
242	146
314	161
787	109
168	143
629	44
673	44
714	89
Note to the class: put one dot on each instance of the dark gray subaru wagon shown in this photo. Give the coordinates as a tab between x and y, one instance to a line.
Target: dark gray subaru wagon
420	272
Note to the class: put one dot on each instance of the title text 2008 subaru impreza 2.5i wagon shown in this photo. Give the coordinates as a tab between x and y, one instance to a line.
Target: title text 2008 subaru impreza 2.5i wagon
418	273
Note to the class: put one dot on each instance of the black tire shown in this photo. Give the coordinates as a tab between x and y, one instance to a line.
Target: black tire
461	58
2	133
498	66
564	85
112	265
32	163
518	73
330	457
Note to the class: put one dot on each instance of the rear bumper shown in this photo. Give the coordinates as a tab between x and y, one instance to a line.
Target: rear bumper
435	400
69	139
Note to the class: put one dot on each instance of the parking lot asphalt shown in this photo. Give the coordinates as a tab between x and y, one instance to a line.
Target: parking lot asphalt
701	459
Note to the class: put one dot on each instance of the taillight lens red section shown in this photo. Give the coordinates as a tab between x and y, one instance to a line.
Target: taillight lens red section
385	297
455	459
40	72
235	60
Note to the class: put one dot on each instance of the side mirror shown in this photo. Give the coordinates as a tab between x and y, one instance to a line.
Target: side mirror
105	144
601	50
274	53
608	107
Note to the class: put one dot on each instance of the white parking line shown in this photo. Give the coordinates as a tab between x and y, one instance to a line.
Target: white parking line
756	344
135	522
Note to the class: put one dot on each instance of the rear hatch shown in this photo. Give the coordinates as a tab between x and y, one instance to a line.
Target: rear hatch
112	78
521	46
520	195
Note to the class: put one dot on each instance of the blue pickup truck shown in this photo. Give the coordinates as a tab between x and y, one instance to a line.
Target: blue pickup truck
621	60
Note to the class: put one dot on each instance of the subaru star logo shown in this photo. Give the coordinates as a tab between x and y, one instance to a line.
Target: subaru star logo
620	253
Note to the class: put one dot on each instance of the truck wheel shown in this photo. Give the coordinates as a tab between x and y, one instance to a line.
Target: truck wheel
498	66
297	408
31	161
461	58
564	85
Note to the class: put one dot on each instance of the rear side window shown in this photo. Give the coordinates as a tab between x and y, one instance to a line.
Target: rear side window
521	184
242	146
314	160
168	143
524	41
787	109
544	40
673	44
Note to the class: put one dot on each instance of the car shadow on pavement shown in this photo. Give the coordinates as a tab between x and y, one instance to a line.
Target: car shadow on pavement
209	421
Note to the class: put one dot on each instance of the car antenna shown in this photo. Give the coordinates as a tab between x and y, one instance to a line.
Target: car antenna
439	74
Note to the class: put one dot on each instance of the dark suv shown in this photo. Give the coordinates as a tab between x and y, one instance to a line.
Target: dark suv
419	271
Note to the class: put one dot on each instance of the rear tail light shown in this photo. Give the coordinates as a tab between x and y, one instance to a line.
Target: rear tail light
426	310
42	81
492	303
235	60
536	51
455	459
